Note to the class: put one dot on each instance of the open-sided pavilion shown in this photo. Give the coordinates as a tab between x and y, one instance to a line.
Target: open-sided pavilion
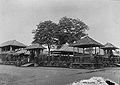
35	51
85	59
108	52
11	46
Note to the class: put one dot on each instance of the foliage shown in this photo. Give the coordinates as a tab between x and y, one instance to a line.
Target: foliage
45	32
67	30
70	30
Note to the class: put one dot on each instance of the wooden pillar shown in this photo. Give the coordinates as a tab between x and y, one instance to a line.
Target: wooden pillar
95	50
78	50
68	57
99	50
73	51
5	49
91	52
59	58
83	51
104	52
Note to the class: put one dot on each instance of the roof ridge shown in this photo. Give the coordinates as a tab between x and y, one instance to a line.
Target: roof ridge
90	39
86	41
13	42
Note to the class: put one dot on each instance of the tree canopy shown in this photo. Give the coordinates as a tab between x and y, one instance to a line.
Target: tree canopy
45	33
70	30
67	30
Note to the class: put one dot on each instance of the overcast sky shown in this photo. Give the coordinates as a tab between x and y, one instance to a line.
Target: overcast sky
19	17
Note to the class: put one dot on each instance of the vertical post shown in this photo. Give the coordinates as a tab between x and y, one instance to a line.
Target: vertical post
99	50
5	49
104	52
83	51
73	51
78	54
35	58
78	50
95	50
10	48
73	55
59	57
92	57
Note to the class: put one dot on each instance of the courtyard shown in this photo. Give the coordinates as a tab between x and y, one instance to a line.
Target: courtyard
11	75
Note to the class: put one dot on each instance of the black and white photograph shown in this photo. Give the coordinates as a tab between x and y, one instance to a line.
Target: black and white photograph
59	42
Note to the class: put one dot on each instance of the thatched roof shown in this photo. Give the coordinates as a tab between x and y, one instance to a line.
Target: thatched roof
12	43
109	46
66	49
34	46
86	42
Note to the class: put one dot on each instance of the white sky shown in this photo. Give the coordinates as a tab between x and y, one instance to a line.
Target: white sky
19	17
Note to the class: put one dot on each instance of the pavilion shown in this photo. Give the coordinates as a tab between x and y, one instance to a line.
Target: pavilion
65	50
108	47
11	46
35	51
108	52
84	59
64	54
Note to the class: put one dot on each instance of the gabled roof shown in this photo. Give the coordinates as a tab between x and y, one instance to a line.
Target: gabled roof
34	46
12	43
109	46
86	42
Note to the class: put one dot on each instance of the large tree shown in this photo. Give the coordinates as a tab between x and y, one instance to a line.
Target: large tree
45	33
70	30
67	30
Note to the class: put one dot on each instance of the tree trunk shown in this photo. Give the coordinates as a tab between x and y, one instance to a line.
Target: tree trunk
49	50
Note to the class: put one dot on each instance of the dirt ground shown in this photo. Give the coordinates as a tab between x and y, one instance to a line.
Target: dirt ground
11	75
